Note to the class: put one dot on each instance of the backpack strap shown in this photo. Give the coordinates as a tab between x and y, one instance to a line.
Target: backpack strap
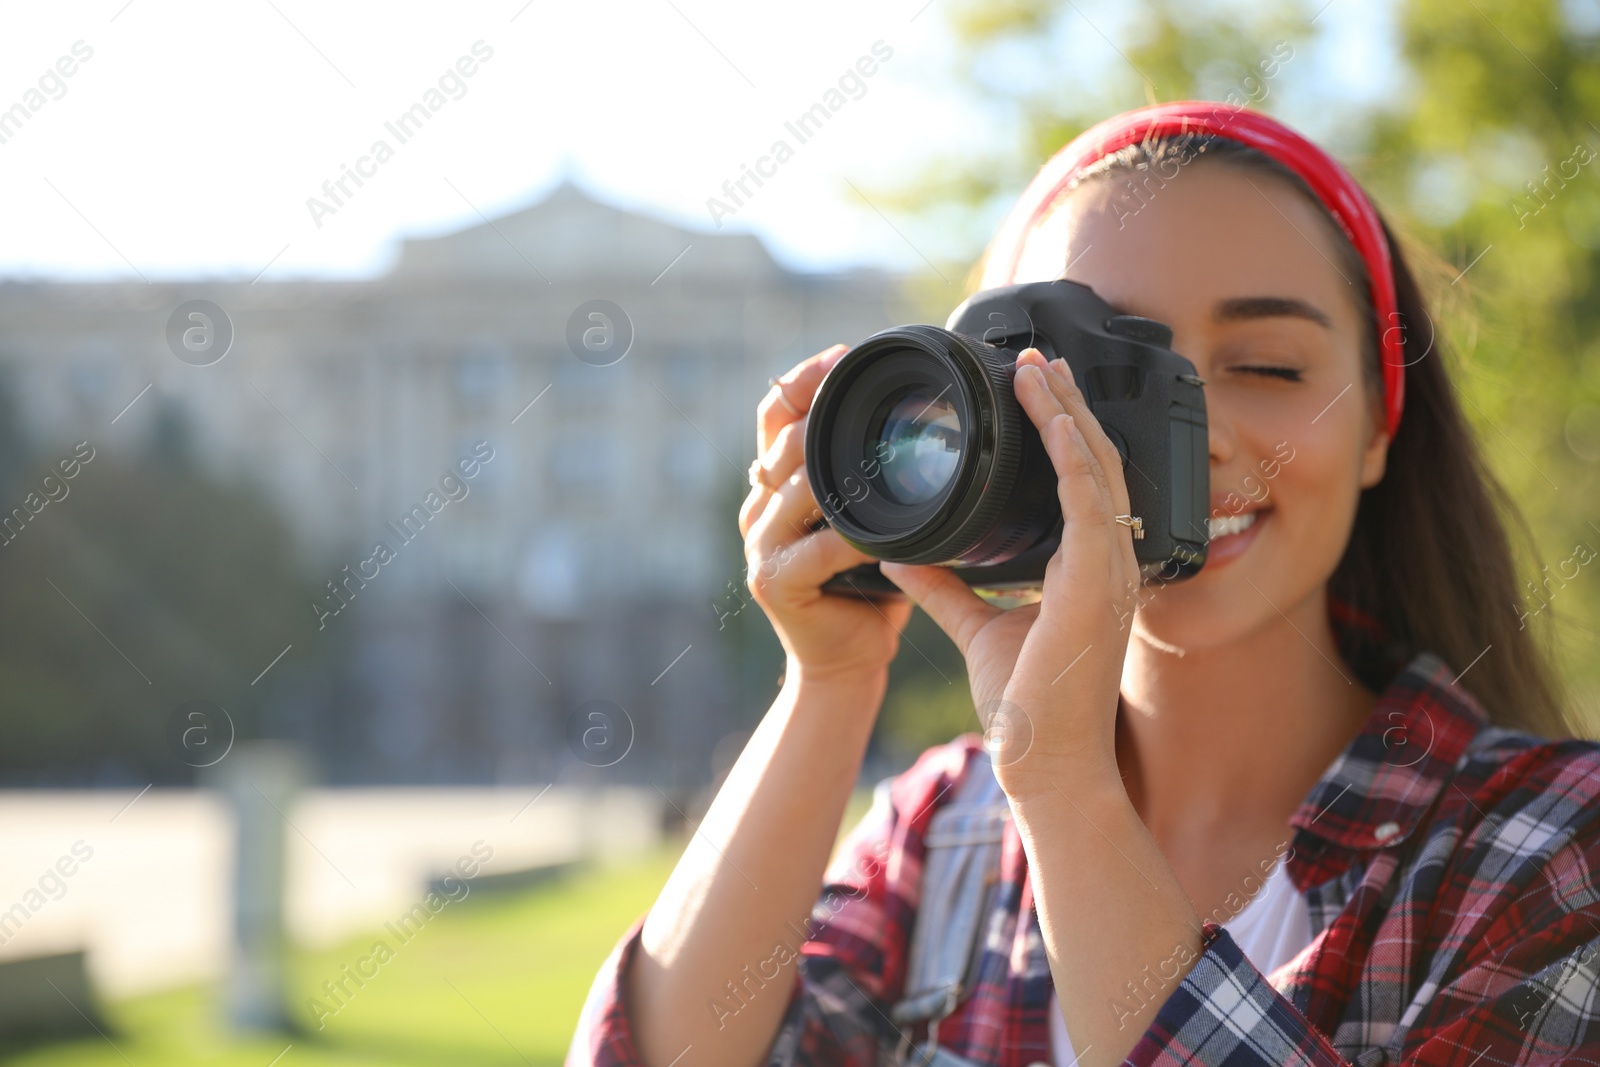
960	875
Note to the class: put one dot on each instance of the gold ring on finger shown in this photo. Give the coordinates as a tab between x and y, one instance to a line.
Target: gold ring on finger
758	476
1135	523
783	397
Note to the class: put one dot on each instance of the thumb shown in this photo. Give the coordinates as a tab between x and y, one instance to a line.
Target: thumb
948	600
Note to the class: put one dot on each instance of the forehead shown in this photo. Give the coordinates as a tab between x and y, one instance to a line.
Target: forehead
1172	248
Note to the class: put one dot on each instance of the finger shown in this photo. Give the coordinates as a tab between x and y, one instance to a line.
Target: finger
1058	375
948	600
1098	550
786	453
788	516
1094	434
754	504
1107	461
792	573
795	388
1086	506
1090	571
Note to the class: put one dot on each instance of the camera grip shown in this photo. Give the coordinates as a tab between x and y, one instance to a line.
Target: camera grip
865	582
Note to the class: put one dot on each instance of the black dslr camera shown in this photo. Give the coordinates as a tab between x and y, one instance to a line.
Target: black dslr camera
919	452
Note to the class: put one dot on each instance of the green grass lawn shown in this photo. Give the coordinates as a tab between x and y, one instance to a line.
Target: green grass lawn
494	981
490	981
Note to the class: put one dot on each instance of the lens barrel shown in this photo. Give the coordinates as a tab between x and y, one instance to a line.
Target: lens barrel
918	451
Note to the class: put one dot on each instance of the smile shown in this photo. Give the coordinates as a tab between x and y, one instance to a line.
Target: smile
1229	525
1232	536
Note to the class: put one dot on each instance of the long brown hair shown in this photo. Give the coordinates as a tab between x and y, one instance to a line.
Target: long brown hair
1429	565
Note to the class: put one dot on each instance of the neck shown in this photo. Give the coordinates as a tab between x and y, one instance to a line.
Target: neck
1235	735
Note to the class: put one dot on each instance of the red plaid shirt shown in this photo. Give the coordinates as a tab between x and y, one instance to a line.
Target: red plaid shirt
1449	868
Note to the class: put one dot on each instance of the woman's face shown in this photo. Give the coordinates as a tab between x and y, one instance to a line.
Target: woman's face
1246	273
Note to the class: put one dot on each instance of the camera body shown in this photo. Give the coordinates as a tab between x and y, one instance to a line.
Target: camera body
918	451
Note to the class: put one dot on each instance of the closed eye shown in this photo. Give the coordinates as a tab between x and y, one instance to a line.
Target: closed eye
1288	374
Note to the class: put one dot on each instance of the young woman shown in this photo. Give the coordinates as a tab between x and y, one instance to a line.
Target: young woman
1305	807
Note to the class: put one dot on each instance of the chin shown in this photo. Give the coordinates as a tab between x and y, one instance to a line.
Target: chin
1180	620
1251	587
1217	605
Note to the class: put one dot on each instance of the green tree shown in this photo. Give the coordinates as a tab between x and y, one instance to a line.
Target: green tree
1492	158
1043	71
138	585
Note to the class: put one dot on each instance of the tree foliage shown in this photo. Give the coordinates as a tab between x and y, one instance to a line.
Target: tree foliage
140	585
1492	159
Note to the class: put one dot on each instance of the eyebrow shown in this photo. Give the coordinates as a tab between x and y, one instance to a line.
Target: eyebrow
1267	307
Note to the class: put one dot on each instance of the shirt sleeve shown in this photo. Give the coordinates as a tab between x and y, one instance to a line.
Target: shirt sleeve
842	967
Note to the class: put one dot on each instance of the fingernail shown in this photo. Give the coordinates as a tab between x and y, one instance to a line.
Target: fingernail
1060	365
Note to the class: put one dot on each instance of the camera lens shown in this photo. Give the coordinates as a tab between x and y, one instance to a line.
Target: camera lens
918	451
921	445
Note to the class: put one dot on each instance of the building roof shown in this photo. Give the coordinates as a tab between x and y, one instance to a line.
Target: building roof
571	236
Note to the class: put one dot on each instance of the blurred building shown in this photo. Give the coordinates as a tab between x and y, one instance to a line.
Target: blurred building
588	553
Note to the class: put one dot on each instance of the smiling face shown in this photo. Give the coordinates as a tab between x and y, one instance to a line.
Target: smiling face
1251	279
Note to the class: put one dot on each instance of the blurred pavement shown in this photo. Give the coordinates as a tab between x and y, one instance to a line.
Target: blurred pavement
151	902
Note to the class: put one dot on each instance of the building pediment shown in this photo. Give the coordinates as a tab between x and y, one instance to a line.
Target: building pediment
570	236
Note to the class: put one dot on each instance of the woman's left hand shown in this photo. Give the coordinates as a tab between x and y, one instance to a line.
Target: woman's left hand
1051	670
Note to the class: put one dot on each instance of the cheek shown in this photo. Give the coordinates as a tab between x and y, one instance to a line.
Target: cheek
1314	492
1261	416
1308	472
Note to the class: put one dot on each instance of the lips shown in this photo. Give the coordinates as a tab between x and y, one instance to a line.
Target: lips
1232	535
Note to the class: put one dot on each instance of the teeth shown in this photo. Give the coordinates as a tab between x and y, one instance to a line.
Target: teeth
1231	524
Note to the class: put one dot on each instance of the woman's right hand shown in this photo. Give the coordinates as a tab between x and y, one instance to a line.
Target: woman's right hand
786	561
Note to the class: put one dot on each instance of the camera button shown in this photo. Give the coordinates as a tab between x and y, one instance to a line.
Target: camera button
1138	328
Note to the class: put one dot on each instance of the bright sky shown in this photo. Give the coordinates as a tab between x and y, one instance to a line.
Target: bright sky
190	138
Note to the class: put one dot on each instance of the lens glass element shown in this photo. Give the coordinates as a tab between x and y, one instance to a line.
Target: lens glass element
920	446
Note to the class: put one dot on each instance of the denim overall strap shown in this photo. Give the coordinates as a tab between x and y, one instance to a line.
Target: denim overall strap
960	874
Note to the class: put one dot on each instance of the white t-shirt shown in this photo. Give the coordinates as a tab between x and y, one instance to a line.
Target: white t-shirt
1270	930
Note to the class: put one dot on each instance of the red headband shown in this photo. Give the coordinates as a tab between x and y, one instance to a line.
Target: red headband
1332	184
